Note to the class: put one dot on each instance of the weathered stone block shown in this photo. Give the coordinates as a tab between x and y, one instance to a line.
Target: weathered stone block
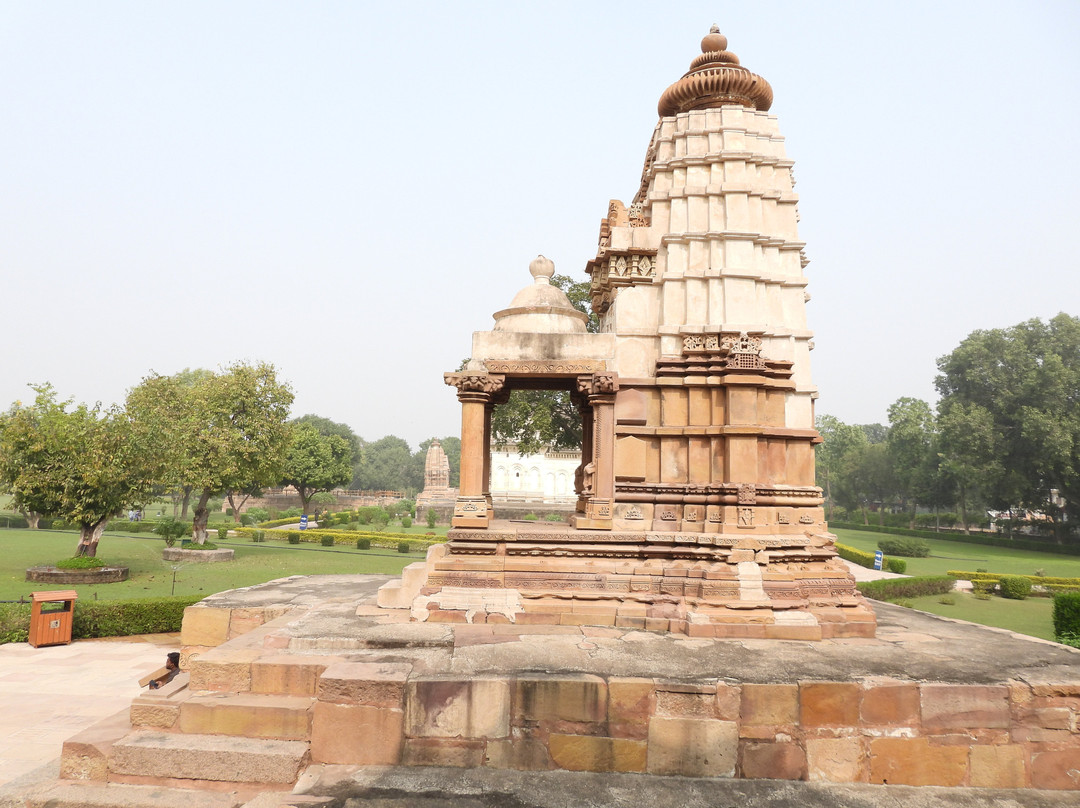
449	708
769	705
356	734
525	754
1057	769
998	767
630	704
223	670
288	674
379	684
829	704
914	762
774	761
206	626
835	760
247	715
890	705
159	714
577	698
728	698
241	621
591	753
453	752
694	747
964	706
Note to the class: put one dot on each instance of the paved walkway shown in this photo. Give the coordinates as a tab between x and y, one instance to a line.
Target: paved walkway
49	694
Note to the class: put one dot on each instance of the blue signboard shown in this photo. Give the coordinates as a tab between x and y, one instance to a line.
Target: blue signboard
303	524
877	560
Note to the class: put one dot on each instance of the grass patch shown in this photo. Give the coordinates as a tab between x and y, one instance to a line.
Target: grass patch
946	555
1031	616
151	577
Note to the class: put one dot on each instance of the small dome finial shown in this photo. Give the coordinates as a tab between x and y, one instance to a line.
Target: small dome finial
542	269
714	41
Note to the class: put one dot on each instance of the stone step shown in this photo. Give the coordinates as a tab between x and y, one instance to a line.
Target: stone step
222	758
160	709
251	715
400	593
116	795
85	755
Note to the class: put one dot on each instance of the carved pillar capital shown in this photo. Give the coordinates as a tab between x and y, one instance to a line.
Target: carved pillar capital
475	386
598	384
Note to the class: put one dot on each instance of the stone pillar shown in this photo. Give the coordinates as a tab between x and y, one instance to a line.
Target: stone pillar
585	410
599	481
475	391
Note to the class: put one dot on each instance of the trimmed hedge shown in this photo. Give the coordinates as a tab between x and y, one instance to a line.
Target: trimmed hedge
80	563
1014	587
109	618
388	541
973	538
907	546
893	588
1066	616
1047	581
863	559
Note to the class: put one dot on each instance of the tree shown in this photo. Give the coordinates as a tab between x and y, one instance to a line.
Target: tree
968	450
343	431
533	420
316	462
226	432
834	457
85	465
1025	382
909	445
385	466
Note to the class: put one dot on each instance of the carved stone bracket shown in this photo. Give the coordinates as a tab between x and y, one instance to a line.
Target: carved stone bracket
598	384
747	494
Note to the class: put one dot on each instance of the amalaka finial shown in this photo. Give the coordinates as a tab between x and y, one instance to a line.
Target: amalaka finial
715	79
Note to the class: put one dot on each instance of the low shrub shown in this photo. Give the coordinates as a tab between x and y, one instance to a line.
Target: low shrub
893	588
363	544
247	520
107	618
530	517
172	529
947	600
326	541
406	521
553	517
258	535
293	536
80	563
983	587
1066	615
431	517
222	533
1014	587
258	514
403	547
906	546
897	565
907	604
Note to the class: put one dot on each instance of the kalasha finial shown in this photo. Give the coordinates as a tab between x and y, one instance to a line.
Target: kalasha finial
714	41
542	269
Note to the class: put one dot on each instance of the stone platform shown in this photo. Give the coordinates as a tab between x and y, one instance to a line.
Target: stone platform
781	585
316	673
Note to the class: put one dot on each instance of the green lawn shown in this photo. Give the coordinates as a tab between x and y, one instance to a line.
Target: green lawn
1031	616
152	577
951	555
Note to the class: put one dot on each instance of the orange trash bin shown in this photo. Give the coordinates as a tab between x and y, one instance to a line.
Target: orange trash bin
51	614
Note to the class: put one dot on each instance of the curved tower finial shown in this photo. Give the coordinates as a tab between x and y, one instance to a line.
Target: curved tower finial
715	78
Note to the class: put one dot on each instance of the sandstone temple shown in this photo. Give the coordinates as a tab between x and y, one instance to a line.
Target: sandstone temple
697	510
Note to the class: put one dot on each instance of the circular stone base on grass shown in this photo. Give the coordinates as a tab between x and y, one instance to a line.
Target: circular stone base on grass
198	556
95	575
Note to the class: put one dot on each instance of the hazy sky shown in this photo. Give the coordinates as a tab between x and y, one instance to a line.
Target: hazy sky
349	190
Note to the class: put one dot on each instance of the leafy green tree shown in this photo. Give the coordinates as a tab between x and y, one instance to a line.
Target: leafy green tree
909	445
225	432
385	466
84	465
327	427
968	450
1026	379
316	462
834	458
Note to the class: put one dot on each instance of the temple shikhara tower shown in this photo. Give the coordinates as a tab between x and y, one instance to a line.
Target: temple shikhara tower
697	510
437	490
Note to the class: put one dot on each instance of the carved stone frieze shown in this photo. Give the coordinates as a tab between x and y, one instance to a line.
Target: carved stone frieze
746	517
544	366
598	384
747	494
